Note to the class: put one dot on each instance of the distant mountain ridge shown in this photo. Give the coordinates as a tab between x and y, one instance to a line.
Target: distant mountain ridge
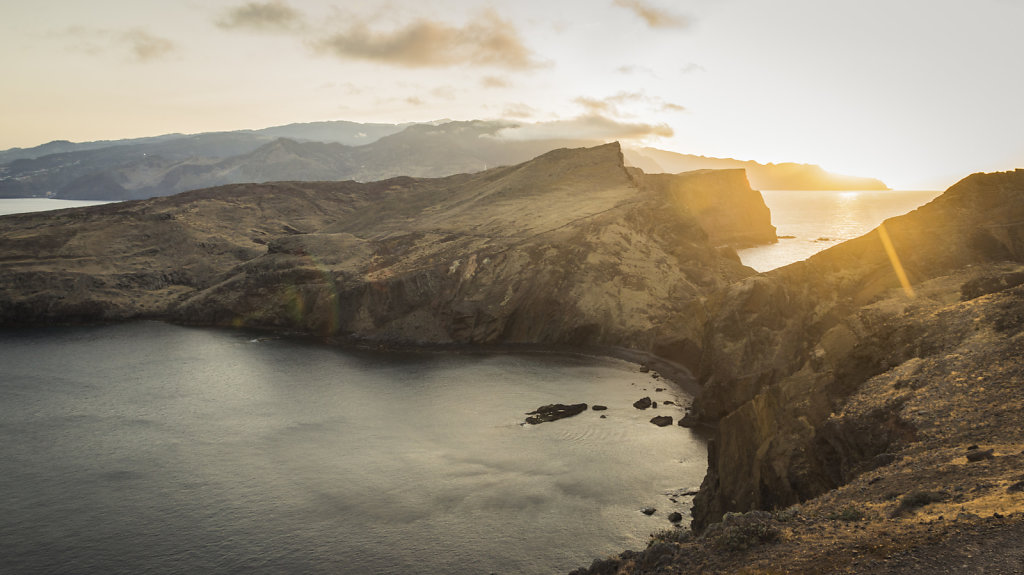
339	131
327	151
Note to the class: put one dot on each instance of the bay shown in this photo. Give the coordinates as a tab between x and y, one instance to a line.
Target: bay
152	448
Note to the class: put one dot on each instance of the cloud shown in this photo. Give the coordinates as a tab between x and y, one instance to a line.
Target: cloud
631	69
614	104
487	40
519	110
494	82
146	47
611	103
654	16
138	44
443	92
272	16
586	127
691	68
593	105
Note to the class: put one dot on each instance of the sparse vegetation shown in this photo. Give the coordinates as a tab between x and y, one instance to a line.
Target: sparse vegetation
740	531
917	499
849	513
671	535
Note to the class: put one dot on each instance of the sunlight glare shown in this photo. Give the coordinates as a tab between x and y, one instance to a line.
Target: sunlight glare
890	250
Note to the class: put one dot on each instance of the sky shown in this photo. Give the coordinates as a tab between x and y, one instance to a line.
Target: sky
919	93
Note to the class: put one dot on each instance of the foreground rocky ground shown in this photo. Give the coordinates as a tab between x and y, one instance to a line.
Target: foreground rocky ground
861	428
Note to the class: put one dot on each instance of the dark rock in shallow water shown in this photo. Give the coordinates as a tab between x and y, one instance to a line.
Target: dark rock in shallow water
662	420
648	510
976	455
643	403
675	517
689	420
554	412
599	407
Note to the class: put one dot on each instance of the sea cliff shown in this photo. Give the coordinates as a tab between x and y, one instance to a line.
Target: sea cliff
863	423
570	248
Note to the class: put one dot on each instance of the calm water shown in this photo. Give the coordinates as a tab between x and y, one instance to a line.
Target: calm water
150	448
25	205
822	219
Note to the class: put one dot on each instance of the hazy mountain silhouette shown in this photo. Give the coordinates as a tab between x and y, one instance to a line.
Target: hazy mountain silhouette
784	176
326	151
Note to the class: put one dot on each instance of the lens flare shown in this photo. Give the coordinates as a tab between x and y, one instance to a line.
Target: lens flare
894	259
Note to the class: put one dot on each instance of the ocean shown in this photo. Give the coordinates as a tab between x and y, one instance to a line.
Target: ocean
818	220
25	205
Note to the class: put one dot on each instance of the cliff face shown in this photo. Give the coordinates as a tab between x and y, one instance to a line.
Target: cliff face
791	354
569	248
732	213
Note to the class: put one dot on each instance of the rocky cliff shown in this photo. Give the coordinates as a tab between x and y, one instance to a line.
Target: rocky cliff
732	213
787	350
864	423
569	248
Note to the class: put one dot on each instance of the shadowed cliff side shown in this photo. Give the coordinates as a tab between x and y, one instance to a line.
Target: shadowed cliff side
569	248
787	351
861	426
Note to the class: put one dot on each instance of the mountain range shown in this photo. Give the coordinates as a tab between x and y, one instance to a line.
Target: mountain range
328	151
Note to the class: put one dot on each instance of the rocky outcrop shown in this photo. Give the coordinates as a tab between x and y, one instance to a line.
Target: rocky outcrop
790	354
722	201
554	412
860	427
569	248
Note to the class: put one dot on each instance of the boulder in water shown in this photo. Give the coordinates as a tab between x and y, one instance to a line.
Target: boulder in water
554	412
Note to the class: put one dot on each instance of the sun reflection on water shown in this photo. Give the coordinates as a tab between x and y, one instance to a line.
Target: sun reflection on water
818	220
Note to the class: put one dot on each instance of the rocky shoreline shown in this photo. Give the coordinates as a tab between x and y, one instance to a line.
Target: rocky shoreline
854	417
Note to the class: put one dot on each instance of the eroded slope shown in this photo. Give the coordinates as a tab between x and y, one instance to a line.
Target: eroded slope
568	248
